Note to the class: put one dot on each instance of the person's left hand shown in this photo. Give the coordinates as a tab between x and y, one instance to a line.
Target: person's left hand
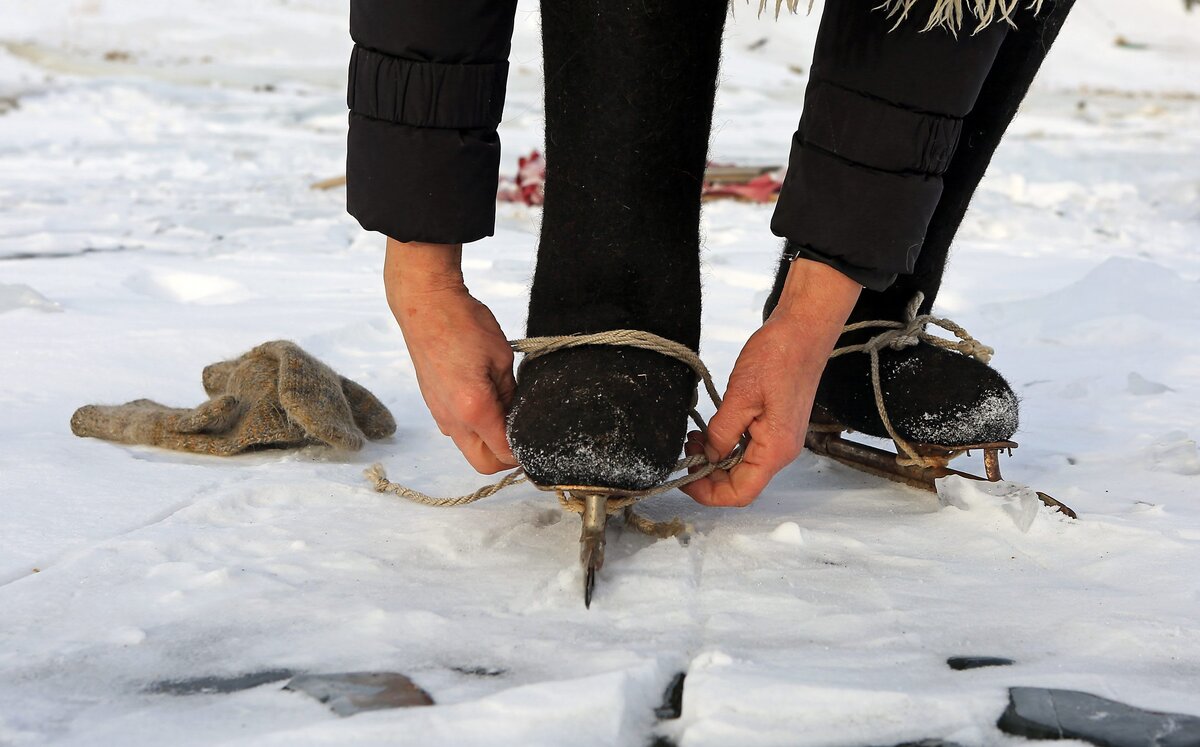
771	388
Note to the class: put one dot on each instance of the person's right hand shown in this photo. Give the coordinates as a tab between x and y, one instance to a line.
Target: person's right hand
463	361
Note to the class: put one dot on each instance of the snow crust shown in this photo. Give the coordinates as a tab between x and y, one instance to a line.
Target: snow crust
154	171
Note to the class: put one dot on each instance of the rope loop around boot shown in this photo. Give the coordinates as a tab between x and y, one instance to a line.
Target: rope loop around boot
898	336
533	347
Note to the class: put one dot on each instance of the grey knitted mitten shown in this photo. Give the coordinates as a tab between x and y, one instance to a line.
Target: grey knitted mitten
275	396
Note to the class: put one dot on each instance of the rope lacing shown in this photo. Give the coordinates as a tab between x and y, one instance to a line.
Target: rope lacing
897	336
698	465
906	334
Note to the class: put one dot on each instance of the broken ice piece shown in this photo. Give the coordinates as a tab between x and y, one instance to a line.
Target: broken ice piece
1143	387
349	693
1018	502
1037	713
672	704
788	533
21	296
211	684
481	671
961	663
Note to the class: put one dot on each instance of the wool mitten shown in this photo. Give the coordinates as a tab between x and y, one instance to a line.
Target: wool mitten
275	396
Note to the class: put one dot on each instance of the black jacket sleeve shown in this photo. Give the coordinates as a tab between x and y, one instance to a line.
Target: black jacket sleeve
883	113
426	93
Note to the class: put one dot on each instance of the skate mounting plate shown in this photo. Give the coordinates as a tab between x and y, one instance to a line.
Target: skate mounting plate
884	464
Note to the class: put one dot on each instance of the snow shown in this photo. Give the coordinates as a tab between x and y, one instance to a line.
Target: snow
154	172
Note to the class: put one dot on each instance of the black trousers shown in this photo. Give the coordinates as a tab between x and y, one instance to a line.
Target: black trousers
883	114
882	120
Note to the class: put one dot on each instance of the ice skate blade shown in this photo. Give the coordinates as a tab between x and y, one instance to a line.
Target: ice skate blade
884	463
591	541
595	522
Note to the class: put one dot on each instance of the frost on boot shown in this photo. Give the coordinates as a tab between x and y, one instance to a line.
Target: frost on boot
627	126
931	395
601	417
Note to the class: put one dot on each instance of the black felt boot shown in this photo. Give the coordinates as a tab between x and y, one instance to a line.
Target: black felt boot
935	396
629	97
932	396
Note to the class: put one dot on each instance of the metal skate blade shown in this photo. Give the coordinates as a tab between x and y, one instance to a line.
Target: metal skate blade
591	542
883	463
589	585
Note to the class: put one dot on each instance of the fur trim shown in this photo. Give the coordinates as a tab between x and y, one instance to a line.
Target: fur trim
947	14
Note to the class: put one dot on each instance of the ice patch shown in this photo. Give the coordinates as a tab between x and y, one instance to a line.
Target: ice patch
20	296
1017	503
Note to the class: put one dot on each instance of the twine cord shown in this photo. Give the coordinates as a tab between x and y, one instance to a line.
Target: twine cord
698	466
896	336
900	335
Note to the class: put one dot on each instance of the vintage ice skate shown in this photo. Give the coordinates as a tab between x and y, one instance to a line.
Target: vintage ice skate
592	537
591	541
826	439
618	253
943	400
595	506
615	464
939	387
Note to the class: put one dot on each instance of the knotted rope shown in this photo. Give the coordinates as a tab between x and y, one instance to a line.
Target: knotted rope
698	465
900	335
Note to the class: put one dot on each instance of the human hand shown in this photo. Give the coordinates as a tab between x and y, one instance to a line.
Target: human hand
463	361
772	386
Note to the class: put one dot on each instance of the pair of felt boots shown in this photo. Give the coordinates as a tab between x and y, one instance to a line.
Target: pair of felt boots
626	142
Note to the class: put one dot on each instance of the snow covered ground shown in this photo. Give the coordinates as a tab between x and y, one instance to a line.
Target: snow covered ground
155	216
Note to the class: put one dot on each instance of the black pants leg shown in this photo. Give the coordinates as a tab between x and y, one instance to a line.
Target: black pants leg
932	396
882	116
898	129
1017	63
629	96
426	93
